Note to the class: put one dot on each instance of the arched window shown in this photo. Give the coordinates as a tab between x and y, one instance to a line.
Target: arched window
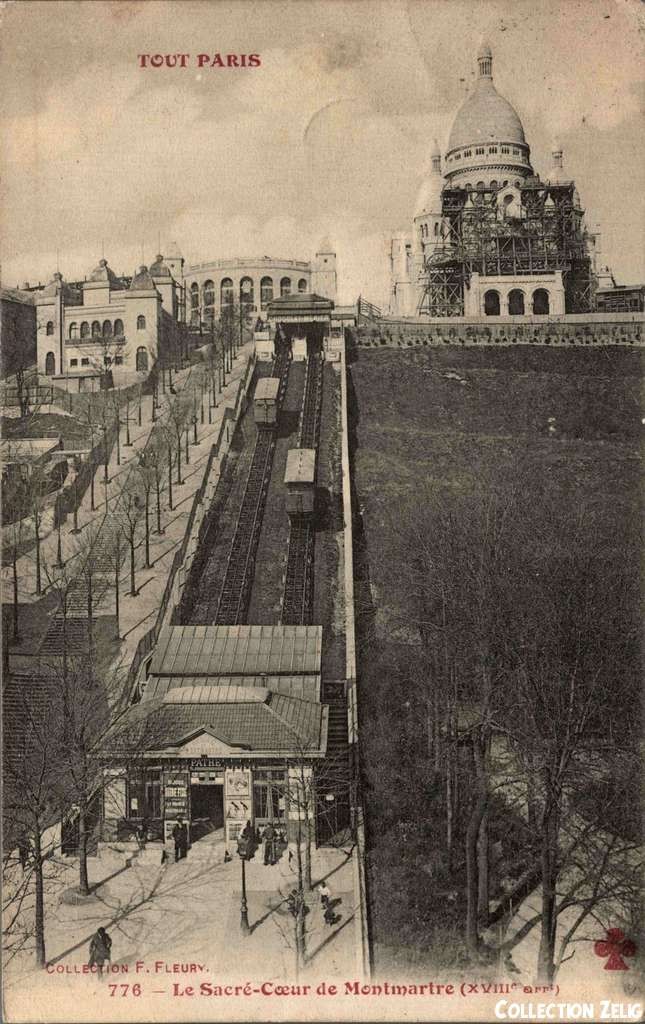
494	183
50	364
285	286
107	328
480	184
96	329
141	322
302	285
266	291
504	183
468	185
194	303
436	229
118	328
85	329
73	330
226	296
540	302
491	303
209	293
246	291
50	327
516	302
142	359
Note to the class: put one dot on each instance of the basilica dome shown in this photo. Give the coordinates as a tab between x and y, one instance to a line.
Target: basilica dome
485	116
487	135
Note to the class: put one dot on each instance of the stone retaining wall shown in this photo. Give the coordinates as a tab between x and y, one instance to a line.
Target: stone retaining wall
599	329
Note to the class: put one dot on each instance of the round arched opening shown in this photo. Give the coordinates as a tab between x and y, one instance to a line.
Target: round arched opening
540	302
491	303
142	359
516	302
50	364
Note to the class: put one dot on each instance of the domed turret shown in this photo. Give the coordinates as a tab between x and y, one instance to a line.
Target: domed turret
142	281
556	174
487	140
429	195
159	268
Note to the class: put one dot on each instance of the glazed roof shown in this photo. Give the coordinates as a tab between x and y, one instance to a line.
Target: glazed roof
237	650
485	116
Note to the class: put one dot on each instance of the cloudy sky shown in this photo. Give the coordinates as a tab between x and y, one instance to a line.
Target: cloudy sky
329	137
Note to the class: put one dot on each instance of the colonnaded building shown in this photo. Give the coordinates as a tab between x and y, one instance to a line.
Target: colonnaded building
489	236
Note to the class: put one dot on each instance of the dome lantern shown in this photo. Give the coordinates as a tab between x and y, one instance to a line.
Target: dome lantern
485	60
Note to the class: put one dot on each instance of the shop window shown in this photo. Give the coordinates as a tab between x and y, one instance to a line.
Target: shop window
144	794
141	322
50	327
269	794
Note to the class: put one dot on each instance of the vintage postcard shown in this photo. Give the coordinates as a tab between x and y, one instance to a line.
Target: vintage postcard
321	380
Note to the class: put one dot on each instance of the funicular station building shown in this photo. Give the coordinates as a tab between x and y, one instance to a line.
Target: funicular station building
241	713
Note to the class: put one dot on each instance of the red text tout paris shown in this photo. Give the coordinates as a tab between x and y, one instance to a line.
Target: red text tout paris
199	60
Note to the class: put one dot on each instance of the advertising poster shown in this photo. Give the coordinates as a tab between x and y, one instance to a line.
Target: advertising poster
321	343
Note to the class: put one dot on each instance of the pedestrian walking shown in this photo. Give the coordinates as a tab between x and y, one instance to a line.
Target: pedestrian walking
180	836
142	835
269	836
100	949
325	894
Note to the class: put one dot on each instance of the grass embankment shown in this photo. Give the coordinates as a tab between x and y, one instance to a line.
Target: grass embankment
450	415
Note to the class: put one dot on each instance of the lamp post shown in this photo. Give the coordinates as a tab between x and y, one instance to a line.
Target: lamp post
246	847
244	910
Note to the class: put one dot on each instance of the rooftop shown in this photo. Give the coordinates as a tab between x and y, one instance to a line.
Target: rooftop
306	687
267	388
261	722
237	650
301	466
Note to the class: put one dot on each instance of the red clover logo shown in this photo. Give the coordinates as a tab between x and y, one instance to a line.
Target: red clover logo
615	946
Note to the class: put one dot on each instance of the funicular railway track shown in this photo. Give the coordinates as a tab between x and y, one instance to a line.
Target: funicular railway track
297	598
238	580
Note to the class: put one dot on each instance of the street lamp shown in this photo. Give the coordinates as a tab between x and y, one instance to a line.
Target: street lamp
246	847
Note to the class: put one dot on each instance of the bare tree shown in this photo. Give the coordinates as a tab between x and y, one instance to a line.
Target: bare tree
130	505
